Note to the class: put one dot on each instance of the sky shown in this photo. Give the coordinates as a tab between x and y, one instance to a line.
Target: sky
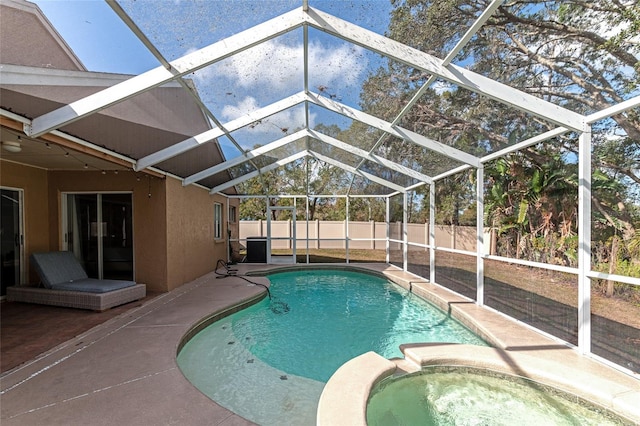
98	36
248	81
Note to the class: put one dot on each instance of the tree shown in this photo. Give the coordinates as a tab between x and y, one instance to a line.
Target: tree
578	54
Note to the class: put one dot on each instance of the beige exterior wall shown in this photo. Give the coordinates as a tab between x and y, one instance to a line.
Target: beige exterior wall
149	223
192	250
172	225
149	231
20	24
34	182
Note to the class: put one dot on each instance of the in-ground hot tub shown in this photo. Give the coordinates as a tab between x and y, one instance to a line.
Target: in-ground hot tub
440	384
443	395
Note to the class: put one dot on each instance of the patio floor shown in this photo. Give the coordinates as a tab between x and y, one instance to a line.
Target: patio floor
124	371
28	330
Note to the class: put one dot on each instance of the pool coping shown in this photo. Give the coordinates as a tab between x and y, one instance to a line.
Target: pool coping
125	370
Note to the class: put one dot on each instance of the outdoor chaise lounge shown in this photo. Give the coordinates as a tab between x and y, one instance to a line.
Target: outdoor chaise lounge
67	284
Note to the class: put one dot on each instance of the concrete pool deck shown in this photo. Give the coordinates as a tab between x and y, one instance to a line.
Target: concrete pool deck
125	372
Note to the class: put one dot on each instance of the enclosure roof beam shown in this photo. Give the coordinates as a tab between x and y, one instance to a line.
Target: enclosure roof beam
558	131
361	173
155	52
411	187
486	14
296	99
291	101
305	36
158	76
115	6
613	110
452	73
296	137
245	157
589	119
397	131
212	134
280	25
371	157
451	172
255	173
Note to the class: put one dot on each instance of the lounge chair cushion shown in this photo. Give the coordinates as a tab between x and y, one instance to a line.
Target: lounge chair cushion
57	267
67	285
61	270
92	285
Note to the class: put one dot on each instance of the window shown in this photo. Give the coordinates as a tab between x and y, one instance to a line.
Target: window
217	221
232	214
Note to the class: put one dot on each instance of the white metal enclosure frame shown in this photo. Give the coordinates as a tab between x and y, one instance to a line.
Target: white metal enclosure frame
307	17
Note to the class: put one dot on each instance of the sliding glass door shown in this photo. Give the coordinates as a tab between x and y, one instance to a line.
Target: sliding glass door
12	239
98	229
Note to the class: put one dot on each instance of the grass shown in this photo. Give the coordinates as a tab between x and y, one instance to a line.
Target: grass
336	255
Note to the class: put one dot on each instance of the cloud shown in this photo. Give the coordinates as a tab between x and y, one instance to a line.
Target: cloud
277	125
247	105
339	67
271	71
277	66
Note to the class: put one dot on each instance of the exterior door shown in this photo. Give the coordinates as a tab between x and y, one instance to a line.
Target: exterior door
12	239
281	236
99	231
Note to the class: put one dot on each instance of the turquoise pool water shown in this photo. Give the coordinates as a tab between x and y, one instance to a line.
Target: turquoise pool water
270	361
447	396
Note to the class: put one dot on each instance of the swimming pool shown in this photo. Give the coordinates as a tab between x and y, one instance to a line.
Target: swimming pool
269	362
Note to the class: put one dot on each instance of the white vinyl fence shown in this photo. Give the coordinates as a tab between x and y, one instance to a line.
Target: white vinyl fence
362	235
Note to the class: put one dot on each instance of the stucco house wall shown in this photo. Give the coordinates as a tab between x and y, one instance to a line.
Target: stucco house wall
192	249
172	225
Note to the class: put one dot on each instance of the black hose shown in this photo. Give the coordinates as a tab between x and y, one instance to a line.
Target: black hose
233	273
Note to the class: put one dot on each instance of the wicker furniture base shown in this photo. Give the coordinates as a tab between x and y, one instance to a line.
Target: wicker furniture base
77	299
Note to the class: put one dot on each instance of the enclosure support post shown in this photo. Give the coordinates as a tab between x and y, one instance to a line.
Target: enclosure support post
584	240
306	213
306	199
294	238
388	215
432	232
480	235
229	259
405	231
346	231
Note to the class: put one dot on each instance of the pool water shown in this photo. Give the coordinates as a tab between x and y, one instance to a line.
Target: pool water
269	362
467	396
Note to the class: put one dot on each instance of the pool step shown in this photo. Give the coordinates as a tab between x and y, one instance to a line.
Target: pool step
405	366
